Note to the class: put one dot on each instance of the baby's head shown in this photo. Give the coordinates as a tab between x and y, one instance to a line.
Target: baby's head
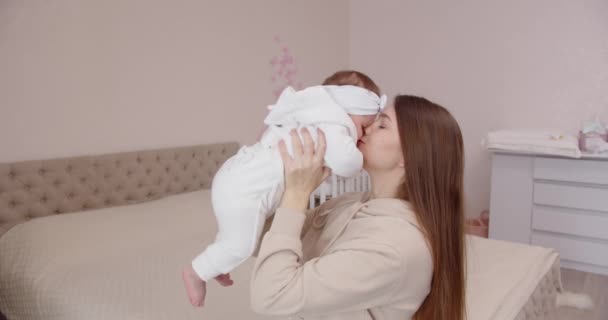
359	79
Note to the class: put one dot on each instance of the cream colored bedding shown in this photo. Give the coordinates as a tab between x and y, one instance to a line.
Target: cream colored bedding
541	304
125	262
115	263
509	281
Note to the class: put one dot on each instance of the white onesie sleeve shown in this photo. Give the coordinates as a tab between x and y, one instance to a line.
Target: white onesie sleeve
342	155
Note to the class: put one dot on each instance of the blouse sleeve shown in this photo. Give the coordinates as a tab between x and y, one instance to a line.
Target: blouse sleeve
268	223
358	275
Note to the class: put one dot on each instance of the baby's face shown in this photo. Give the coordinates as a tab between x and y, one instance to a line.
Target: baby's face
362	122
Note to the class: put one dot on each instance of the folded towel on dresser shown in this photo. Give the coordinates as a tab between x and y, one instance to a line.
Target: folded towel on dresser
542	141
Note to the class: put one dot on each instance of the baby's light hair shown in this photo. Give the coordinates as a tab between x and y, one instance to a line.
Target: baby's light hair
353	78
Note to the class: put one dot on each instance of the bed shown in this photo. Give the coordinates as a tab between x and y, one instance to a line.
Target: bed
105	237
506	280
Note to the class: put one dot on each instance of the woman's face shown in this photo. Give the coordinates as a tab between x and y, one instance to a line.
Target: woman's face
380	144
362	122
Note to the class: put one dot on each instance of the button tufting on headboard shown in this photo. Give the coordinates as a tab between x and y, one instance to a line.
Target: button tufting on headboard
38	188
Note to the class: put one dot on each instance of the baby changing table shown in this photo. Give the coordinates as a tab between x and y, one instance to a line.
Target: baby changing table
554	202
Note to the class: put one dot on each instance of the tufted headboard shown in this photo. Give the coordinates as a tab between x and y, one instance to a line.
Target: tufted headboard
39	188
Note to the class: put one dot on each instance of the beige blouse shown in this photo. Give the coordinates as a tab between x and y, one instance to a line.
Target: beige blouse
347	259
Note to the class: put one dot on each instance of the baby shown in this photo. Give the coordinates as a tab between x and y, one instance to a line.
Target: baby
248	187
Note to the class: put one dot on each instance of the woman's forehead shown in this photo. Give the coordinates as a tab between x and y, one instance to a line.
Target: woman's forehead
387	114
389	111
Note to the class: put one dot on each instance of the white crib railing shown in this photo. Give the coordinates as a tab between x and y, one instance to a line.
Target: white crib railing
336	186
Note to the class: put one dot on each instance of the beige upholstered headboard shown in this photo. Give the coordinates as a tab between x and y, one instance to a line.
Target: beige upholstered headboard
39	188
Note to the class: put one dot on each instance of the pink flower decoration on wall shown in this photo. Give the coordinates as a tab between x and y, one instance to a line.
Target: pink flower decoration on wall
284	69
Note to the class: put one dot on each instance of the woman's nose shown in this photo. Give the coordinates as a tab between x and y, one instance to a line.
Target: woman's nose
367	130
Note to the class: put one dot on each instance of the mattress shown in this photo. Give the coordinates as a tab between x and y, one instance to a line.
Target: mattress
507	280
125	263
541	303
115	263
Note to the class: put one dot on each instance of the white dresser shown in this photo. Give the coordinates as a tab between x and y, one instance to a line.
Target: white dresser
553	202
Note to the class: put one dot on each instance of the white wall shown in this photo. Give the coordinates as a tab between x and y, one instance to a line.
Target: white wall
496	64
89	77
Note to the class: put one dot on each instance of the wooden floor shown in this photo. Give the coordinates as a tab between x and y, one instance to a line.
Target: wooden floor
595	286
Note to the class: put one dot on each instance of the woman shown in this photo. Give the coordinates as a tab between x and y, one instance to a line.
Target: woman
394	253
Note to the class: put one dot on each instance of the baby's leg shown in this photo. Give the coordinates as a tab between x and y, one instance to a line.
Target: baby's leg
196	288
239	230
234	246
240	204
240	226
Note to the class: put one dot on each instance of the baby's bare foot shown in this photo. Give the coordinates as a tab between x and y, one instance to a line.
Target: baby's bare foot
195	287
224	280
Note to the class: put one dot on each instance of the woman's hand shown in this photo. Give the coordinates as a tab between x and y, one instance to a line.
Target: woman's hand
305	171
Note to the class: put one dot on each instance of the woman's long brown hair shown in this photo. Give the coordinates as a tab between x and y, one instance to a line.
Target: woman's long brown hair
434	167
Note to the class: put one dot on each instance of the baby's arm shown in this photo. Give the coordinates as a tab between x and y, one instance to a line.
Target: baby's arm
342	155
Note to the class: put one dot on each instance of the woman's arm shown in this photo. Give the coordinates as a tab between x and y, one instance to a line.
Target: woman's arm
298	196
359	275
268	223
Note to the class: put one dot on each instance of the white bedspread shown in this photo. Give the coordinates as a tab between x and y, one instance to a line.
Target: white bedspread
125	263
502	276
115	263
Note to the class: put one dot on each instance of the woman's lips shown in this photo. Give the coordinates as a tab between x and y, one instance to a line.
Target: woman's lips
360	143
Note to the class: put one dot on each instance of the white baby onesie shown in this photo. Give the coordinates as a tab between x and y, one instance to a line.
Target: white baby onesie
248	187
